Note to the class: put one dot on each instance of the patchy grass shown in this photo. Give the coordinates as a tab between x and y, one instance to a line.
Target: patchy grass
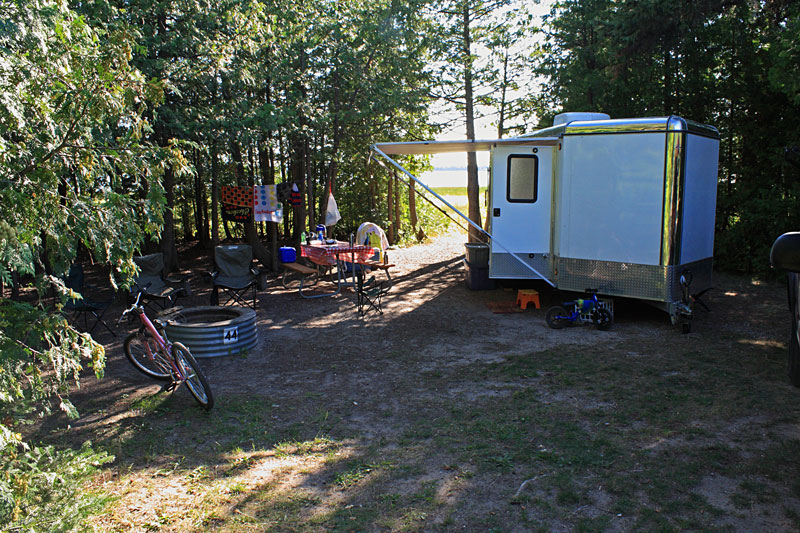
700	433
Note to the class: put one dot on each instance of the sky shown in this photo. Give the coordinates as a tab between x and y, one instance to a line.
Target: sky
450	169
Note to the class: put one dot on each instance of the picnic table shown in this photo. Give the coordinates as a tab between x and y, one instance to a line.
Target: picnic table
335	254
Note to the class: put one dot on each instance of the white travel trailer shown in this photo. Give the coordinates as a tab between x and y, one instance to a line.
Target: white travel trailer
624	206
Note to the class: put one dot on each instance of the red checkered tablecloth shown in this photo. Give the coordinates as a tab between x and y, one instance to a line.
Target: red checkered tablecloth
325	254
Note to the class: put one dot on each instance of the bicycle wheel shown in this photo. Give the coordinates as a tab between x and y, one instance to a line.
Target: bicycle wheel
138	346
195	379
555	317
602	318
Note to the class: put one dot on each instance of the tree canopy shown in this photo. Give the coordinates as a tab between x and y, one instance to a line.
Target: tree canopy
121	120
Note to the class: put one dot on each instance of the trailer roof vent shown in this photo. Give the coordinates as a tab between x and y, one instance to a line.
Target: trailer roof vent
566	118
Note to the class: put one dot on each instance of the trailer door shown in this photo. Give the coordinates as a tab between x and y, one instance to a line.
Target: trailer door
520	210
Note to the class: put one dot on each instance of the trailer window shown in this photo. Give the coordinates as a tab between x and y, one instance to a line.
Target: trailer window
523	178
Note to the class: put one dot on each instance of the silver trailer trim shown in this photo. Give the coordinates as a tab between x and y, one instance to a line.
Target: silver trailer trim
645	282
674	174
671	124
504	266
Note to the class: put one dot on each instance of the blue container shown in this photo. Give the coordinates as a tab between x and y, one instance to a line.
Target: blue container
288	254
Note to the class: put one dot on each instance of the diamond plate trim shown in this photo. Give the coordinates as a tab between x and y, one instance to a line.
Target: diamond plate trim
504	266
630	280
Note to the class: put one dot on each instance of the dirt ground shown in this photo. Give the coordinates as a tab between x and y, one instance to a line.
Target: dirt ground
318	356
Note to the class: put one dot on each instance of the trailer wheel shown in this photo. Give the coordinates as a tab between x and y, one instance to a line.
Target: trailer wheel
553	317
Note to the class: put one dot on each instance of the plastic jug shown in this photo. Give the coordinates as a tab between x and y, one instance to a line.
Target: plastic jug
321	232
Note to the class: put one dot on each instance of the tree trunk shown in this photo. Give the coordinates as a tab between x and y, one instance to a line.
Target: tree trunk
186	221
503	89
295	211
397	206
201	220
15	286
309	178
250	232
500	132
412	205
167	244
297	172
204	207
268	178
214	196
473	188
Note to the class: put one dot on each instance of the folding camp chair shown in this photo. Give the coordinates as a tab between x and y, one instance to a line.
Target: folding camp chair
154	285
236	275
371	293
84	307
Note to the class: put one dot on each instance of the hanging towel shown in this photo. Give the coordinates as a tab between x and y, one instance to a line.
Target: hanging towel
294	197
266	207
237	203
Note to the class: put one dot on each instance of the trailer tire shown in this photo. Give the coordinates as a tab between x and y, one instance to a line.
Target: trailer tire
551	317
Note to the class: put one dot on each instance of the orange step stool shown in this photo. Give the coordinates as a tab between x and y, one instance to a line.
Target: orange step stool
527	296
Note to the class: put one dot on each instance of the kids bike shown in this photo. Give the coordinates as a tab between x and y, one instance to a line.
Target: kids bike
582	310
152	354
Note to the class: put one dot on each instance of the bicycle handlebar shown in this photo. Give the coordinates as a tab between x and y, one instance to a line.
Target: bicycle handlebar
135	304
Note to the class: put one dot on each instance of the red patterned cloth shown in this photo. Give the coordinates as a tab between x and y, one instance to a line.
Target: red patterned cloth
325	254
237	203
240	196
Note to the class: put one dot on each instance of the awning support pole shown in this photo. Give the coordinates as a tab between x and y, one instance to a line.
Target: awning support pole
462	215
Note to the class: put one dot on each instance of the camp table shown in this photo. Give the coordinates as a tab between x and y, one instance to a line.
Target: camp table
330	255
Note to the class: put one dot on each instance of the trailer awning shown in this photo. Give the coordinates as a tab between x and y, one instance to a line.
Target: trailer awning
443	147
439	147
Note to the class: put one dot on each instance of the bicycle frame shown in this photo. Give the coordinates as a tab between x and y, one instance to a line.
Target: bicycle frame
583	310
589	304
162	344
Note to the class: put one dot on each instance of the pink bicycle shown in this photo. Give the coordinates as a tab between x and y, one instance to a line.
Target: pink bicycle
152	354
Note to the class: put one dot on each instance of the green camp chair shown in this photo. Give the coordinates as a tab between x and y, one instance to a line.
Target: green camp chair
236	275
84	307
154	285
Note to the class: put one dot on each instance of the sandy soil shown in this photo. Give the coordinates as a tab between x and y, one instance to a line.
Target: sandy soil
324	347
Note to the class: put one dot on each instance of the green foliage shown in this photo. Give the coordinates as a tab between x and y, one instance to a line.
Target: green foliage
71	154
40	355
42	489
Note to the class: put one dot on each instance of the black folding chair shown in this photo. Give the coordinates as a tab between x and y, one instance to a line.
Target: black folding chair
84	307
154	285
370	293
236	275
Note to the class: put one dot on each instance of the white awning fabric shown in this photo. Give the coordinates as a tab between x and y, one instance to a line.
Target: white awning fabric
443	147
